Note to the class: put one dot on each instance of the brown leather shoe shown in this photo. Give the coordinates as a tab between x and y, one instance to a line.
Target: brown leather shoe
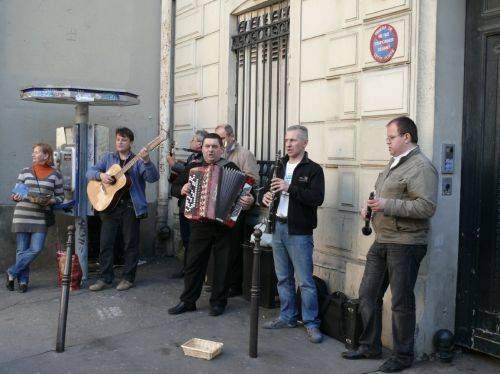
361	353
216	310
99	286
393	365
23	287
182	307
124	285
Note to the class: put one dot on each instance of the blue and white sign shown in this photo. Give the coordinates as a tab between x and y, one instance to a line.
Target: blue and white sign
384	43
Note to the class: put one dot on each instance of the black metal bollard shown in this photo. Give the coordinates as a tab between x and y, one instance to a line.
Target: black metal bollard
255	296
66	279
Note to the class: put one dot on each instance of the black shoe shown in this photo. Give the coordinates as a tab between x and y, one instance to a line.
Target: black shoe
177	275
233	292
23	287
216	310
9	283
393	365
361	353
182	307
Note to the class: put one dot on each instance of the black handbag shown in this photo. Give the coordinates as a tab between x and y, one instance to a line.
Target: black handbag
353	324
50	217
332	323
342	319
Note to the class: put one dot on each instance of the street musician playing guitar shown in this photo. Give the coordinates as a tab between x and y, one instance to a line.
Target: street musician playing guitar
127	210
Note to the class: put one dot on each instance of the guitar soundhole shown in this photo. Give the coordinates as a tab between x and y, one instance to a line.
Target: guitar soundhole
113	180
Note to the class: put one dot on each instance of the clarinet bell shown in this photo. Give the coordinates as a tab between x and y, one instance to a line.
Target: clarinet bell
366	230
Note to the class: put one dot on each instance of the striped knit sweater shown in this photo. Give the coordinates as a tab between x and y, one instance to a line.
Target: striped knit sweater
30	217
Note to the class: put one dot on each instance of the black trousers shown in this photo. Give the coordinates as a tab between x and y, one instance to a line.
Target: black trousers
205	238
184	226
235	265
395	265
123	215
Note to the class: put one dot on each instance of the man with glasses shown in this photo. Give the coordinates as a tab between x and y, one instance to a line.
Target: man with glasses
405	200
177	168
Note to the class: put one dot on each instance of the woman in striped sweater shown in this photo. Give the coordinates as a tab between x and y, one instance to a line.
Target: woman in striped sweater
30	215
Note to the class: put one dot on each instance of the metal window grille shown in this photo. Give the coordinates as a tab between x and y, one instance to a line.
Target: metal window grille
261	47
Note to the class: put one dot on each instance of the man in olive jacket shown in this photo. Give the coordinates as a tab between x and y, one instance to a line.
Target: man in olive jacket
406	197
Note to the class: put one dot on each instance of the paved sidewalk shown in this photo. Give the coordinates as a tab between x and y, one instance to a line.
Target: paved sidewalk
131	332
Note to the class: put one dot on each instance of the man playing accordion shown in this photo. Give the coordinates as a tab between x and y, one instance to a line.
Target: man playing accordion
208	235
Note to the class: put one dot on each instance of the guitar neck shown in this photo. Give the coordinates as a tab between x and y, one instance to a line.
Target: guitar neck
127	167
151	145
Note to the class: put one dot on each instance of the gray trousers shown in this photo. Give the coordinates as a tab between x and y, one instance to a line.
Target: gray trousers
395	265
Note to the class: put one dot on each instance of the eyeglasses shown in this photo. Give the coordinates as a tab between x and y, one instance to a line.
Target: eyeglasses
391	138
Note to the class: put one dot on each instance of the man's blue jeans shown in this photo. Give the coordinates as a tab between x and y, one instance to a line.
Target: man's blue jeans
293	253
29	245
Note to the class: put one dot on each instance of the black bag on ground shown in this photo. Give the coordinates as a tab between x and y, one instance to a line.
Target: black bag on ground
333	321
268	282
322	292
353	324
342	319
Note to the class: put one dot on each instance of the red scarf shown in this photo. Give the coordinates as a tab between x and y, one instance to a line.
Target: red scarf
42	171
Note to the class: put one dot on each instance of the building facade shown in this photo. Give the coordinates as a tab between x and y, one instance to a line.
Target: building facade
343	69
65	43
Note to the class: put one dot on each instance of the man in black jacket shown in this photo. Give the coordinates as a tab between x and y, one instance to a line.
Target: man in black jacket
177	168
301	187
206	237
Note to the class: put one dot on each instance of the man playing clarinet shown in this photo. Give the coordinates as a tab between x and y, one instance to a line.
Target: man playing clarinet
405	200
208	236
300	189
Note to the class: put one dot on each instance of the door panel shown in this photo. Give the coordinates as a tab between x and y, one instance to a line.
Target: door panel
478	289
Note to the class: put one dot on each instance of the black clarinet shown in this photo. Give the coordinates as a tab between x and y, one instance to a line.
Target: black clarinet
367	230
273	207
186	150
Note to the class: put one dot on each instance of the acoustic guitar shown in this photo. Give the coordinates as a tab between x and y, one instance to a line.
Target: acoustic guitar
103	196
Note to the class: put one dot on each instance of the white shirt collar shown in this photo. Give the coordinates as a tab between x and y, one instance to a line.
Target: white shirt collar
398	158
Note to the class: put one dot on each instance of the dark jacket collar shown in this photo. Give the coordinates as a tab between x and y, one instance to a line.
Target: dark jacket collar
222	161
129	157
195	157
305	159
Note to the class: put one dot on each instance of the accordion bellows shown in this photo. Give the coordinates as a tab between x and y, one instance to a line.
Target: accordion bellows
213	192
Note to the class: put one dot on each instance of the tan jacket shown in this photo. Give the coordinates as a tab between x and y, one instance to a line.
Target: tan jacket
246	161
411	192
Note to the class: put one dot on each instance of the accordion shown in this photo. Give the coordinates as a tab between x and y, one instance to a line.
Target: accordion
214	193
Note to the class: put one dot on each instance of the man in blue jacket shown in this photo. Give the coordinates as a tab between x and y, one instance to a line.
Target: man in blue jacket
127	213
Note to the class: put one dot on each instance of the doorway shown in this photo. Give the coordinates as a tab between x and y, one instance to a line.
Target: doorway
478	287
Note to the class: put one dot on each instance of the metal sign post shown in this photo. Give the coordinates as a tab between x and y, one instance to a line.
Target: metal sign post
66	281
81	242
255	297
83	98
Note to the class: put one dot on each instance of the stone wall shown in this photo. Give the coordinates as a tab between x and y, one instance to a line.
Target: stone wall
111	44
